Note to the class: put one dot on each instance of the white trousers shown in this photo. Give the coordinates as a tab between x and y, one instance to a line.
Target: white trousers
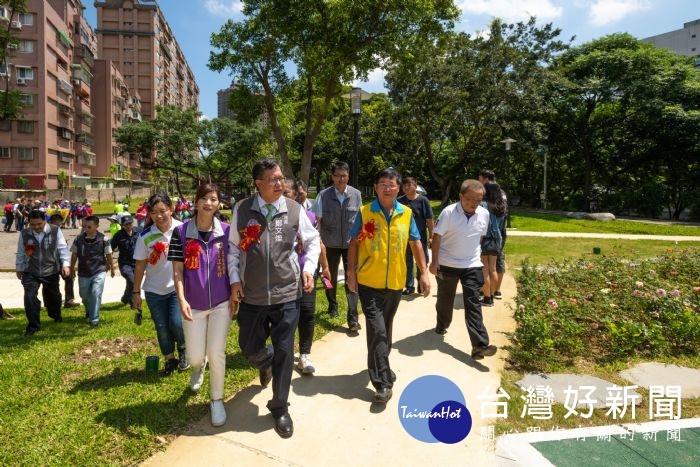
206	335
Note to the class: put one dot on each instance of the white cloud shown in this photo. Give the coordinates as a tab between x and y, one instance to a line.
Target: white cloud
219	7
375	81
604	12
512	10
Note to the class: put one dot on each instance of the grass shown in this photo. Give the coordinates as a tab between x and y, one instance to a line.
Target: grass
544	222
542	250
73	395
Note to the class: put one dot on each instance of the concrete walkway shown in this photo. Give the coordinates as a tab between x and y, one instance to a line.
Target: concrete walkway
619	236
333	417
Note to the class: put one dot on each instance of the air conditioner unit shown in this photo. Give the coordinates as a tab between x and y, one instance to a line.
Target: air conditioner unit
16	24
21	81
76	82
12	46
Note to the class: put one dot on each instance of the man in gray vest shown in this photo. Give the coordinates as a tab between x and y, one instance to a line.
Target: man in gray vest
266	230
336	208
37	264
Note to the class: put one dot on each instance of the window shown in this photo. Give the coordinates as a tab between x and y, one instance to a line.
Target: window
25	154
4	69
27	19
24	72
4	13
5	125
27	99
4	153
26	46
25	126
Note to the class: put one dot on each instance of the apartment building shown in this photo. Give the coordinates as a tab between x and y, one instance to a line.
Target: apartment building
684	41
136	37
51	68
116	104
222	99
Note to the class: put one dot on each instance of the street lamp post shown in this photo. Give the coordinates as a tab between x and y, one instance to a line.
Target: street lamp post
508	141
356	96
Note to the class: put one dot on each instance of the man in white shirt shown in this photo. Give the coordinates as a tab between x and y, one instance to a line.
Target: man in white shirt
456	252
266	281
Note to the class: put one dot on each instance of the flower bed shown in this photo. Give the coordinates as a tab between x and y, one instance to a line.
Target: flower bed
607	309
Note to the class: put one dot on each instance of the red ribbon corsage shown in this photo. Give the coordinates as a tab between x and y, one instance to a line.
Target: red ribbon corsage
367	231
192	250
249	235
159	248
29	248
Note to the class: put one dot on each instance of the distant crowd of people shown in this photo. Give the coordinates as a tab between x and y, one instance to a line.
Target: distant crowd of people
198	272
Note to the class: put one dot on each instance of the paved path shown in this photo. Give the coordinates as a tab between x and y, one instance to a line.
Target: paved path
331	410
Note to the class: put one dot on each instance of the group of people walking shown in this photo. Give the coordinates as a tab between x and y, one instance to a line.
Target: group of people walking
261	269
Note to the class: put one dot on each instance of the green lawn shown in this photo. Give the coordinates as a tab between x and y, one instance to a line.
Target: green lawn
73	395
542	250
541	222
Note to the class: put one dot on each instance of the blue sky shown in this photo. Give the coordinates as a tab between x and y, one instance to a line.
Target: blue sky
193	22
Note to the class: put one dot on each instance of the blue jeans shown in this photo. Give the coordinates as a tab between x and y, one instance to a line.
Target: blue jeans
165	312
127	272
91	288
409	264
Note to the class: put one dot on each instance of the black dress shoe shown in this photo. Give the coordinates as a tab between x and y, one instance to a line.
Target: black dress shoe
383	395
393	376
333	312
265	376
29	332
480	352
284	426
440	330
408	291
354	327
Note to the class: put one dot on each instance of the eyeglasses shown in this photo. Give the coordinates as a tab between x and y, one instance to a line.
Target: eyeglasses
275	181
388	186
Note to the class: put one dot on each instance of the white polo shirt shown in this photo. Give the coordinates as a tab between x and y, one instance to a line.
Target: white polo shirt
460	237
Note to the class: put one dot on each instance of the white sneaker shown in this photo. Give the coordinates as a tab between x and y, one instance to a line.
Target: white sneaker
197	378
218	412
305	365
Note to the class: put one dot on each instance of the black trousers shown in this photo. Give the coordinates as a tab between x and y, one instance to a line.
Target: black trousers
379	307
307	320
258	322
471	279
51	293
68	289
334	256
127	272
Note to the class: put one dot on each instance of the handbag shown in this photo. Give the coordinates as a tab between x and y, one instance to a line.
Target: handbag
490	244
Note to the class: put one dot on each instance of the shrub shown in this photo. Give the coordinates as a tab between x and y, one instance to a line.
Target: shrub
607	309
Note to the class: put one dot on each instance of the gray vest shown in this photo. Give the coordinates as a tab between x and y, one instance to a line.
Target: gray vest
44	260
270	268
337	219
91	256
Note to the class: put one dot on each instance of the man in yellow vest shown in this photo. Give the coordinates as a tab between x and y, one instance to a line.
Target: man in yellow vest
377	271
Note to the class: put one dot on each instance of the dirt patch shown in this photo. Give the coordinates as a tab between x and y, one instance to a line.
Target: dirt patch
110	349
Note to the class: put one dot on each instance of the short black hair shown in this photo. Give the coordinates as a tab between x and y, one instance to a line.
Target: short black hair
262	165
389	172
94	219
300	184
339	165
55	217
37	214
488	175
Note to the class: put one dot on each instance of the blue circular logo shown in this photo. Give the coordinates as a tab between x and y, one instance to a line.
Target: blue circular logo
432	409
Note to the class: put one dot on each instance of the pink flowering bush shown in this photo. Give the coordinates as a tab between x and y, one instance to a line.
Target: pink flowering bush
607	309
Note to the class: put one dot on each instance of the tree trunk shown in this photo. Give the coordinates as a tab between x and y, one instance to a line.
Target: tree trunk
275	127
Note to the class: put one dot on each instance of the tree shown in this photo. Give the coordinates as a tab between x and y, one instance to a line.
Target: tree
630	112
329	43
11	100
465	93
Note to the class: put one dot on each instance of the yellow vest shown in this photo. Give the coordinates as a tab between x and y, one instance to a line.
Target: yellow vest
381	258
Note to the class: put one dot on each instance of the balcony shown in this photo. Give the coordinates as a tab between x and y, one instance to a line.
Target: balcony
65	39
65	110
85	53
135	116
87	158
65	157
64	86
85	138
65	133
81	88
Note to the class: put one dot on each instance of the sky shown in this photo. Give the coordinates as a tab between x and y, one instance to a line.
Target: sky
193	22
